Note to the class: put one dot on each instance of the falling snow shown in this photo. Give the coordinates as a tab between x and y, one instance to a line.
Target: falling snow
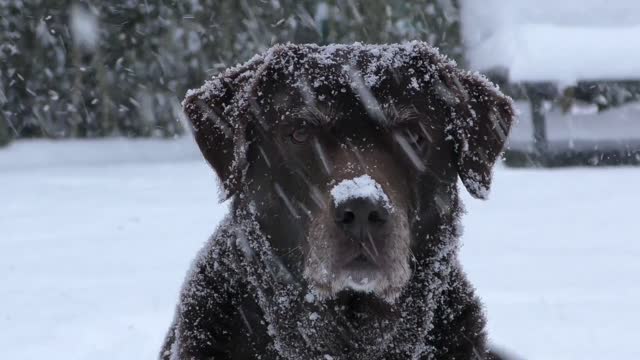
140	243
84	26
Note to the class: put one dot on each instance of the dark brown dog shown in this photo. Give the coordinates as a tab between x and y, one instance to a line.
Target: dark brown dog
342	240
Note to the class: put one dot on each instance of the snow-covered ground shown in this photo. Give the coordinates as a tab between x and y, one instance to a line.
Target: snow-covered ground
95	239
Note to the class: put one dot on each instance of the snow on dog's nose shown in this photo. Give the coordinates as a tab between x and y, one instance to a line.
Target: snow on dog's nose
361	208
363	187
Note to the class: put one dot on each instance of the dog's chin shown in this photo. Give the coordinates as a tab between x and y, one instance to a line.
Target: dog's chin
360	281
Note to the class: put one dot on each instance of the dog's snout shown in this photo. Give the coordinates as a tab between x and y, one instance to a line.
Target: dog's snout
360	217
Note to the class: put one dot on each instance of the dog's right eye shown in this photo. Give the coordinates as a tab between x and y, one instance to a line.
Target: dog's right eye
419	137
300	136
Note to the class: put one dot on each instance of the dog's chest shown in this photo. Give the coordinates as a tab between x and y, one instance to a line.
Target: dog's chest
302	333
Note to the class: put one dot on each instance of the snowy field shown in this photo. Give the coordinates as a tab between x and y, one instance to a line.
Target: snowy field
95	239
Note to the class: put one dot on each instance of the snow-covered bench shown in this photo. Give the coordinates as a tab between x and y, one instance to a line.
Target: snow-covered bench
565	61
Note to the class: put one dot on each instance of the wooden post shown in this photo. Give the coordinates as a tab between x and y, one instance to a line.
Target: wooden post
539	125
540	141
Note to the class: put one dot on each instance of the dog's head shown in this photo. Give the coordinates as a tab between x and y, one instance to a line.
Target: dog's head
348	152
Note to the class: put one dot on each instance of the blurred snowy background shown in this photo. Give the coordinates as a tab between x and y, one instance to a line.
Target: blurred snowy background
104	198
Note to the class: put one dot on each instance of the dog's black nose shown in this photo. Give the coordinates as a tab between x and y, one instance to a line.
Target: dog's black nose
361	217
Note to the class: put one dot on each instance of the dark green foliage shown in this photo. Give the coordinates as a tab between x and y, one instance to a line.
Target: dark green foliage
146	53
4	132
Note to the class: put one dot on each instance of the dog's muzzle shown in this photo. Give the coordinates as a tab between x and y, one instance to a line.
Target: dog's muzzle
361	212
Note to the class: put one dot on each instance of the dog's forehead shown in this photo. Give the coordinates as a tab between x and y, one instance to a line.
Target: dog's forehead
381	83
333	70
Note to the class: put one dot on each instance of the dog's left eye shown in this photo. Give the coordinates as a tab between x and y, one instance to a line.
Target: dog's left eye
300	136
420	141
418	138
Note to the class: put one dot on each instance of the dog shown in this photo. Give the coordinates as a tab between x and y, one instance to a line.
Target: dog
342	166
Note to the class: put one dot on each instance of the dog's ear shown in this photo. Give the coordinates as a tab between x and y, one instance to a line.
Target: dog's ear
480	120
218	116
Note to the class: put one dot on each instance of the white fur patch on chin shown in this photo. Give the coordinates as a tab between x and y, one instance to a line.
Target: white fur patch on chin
365	284
330	290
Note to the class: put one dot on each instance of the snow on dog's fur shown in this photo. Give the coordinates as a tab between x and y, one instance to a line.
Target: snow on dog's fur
342	162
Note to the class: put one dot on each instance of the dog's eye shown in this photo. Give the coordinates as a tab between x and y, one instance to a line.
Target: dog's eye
418	139
300	136
413	138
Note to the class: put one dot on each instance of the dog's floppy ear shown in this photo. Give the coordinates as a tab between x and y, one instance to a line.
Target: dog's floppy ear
217	113
481	118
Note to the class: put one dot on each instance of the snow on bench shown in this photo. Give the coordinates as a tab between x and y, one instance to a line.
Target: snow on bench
560	41
543	47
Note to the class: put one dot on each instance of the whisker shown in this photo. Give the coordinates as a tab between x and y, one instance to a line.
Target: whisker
375	248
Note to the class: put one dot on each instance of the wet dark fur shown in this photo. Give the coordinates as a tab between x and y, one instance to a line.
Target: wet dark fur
221	313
